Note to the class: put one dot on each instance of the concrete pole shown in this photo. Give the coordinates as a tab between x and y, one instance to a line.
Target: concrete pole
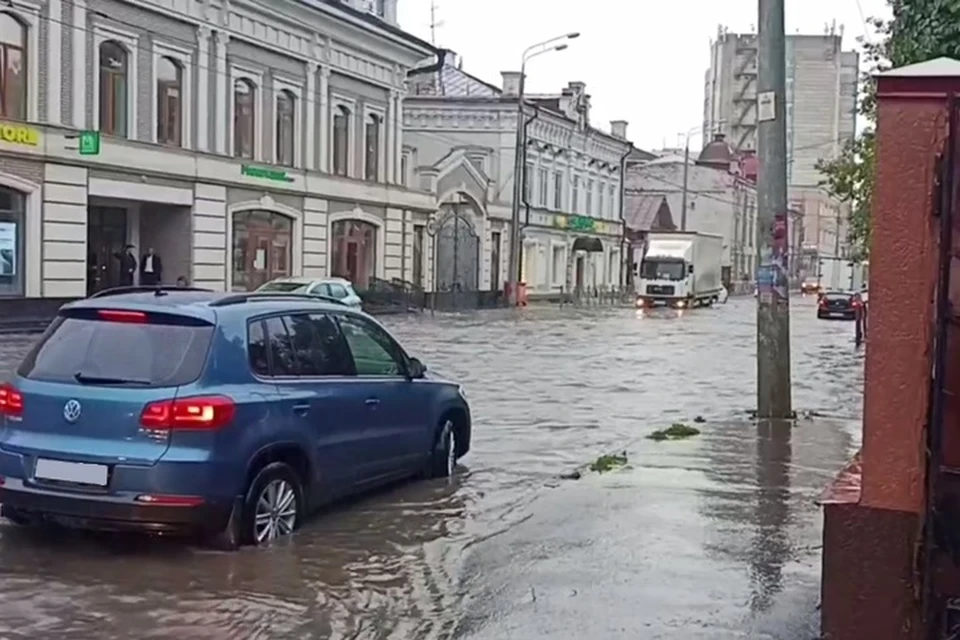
513	259
773	304
686	174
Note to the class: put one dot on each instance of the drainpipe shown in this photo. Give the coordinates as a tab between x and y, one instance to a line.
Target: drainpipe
626	256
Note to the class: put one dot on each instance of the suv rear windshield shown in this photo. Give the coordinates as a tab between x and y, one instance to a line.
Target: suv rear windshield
167	353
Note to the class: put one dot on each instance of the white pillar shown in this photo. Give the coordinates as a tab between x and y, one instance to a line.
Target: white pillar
54	61
80	64
324	136
391	126
396	102
222	108
204	113
311	110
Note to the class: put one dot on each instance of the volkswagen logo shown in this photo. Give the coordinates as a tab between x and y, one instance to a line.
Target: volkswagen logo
71	411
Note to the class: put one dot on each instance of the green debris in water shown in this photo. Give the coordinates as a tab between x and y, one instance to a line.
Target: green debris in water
676	431
608	462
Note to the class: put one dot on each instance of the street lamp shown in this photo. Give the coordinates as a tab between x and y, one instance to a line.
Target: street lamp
520	154
686	173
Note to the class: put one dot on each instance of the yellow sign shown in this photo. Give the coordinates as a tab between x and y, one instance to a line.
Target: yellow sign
19	134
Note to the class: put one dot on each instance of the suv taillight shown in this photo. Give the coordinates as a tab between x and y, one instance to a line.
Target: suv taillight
198	413
11	401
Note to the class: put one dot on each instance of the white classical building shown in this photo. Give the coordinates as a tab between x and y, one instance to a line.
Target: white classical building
460	133
241	140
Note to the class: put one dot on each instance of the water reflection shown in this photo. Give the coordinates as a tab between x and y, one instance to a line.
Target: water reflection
771	546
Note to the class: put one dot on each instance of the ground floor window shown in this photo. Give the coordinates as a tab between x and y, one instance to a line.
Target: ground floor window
354	252
12	244
262	248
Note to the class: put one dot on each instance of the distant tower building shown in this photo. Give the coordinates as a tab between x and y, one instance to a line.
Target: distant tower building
821	110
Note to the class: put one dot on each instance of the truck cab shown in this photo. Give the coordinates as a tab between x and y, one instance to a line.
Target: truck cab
665	280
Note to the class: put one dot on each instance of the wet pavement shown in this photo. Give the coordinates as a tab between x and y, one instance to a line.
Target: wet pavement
717	536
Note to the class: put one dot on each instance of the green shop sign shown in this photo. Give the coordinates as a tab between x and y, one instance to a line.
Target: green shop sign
581	223
277	175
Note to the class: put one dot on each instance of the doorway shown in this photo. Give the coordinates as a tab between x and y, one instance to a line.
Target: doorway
580	268
106	239
495	283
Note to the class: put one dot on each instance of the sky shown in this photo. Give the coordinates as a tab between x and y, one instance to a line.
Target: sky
642	60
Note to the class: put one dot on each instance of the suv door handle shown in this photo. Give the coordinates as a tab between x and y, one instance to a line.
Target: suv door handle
301	409
372	402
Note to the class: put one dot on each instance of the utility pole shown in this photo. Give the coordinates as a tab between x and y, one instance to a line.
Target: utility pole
434	23
773	305
686	174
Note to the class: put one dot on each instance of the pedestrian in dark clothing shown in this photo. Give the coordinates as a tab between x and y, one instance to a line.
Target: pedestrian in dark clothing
128	265
151	268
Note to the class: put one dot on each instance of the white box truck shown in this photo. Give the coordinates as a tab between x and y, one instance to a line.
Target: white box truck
680	269
840	274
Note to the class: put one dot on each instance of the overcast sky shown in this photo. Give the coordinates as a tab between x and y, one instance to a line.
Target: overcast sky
643	60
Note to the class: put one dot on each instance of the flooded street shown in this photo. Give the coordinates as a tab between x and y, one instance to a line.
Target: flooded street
717	536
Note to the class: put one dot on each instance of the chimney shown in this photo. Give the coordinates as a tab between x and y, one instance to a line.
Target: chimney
511	83
619	129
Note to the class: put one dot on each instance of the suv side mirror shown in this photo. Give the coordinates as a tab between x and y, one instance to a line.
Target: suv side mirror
416	369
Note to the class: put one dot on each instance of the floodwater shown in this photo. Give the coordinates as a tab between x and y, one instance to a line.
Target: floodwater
717	536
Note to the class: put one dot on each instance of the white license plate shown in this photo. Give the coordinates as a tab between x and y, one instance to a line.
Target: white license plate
79	472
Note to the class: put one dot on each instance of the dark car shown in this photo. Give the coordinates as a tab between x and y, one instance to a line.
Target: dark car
228	416
842	305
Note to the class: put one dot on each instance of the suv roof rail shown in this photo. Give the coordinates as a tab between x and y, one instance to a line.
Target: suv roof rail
158	290
253	296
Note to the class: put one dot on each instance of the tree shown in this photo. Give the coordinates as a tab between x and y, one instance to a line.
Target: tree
920	30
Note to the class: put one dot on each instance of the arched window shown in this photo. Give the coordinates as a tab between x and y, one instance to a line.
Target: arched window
262	245
244	118
114	67
372	147
341	141
169	102
13	68
354	254
286	128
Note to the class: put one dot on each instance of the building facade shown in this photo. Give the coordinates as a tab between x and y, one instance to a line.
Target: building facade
240	143
821	110
462	133
719	200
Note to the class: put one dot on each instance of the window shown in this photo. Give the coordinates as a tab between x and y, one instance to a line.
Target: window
543	178
12	221
167	351
318	347
613	203
373	352
528	184
354	254
341	141
261	248
280	348
286	128
419	232
13	63
169	102
372	148
404	169
495	244
257	349
575	204
559	267
589	207
113	89
558	190
601	201
244	118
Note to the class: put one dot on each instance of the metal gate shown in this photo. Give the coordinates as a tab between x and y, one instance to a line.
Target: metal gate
457	263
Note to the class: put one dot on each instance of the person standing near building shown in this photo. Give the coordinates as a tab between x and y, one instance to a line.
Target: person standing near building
128	265
151	268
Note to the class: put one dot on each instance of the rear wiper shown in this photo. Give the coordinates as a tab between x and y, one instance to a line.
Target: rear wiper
83	378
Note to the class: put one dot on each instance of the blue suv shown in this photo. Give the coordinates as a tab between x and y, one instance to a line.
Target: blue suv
229	416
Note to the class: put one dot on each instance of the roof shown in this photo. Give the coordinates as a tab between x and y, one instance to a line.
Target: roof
378	22
641	211
942	67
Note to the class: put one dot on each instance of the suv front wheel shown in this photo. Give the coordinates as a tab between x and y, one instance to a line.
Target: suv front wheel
443	461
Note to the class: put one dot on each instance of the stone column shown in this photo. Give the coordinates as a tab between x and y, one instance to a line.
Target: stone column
79	74
223	94
396	104
310	106
392	138
324	136
204	113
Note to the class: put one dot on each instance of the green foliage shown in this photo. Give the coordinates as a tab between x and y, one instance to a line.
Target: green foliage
920	30
676	431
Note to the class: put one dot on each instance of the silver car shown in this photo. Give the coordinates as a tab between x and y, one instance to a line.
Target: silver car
338	288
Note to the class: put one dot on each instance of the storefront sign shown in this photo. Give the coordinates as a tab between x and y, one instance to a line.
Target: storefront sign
19	134
8	249
264	173
89	143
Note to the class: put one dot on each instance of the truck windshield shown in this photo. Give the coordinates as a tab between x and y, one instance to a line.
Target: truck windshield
662	270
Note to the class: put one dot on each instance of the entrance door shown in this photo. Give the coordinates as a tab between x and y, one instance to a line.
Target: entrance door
106	239
495	283
580	272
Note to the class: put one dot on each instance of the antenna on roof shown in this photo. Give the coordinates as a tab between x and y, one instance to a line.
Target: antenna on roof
434	23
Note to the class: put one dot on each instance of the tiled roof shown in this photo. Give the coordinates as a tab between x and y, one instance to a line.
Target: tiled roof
641	211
